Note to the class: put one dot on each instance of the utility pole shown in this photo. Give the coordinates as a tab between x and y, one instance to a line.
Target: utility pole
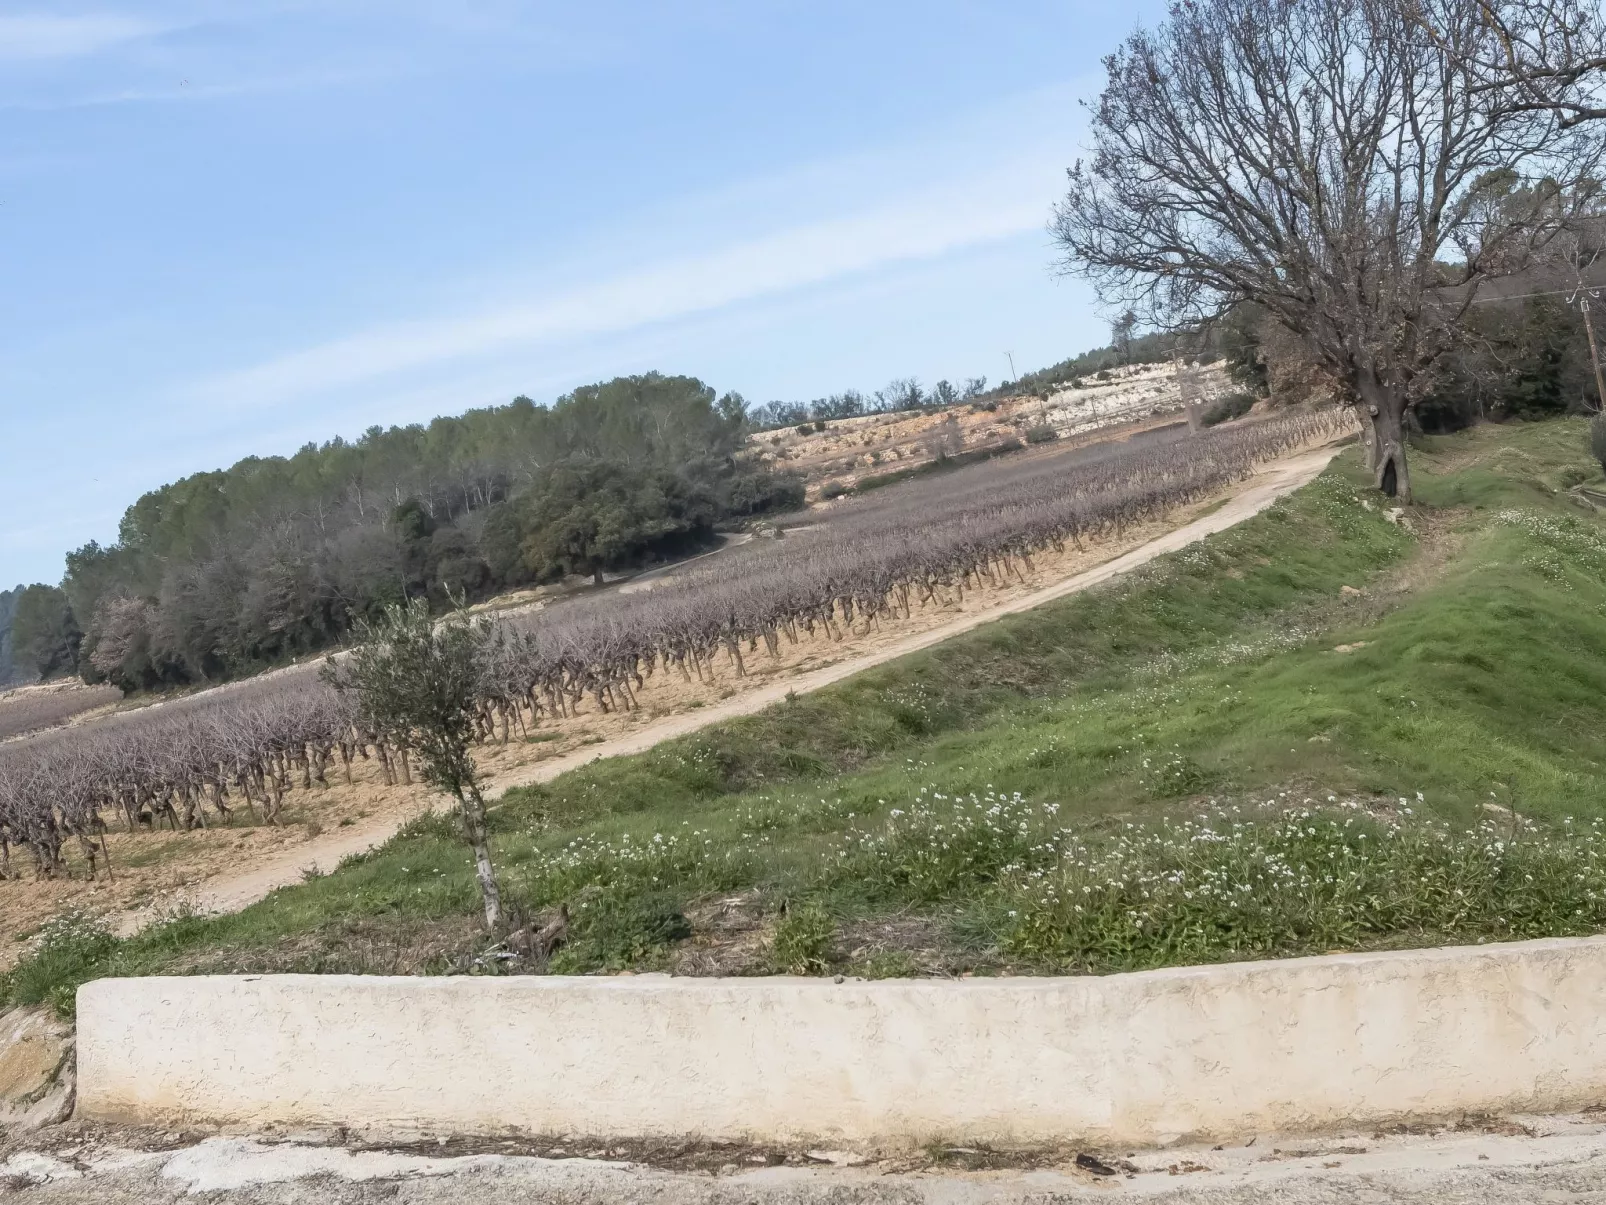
1013	377
1581	297
1594	351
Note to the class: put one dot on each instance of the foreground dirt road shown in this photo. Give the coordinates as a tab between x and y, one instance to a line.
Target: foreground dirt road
232	892
1519	1160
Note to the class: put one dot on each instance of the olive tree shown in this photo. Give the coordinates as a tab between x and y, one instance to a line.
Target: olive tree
1332	163
417	679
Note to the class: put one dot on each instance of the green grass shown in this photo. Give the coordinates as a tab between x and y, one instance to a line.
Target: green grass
1474	674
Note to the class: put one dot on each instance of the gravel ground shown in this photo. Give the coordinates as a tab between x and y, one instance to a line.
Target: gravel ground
1555	1160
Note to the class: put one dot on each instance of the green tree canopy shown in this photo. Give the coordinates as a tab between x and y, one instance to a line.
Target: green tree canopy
590	517
45	635
224	572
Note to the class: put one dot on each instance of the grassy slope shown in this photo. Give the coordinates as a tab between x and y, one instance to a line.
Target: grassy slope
1211	675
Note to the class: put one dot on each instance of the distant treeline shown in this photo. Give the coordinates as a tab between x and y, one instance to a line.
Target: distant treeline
902	393
227	572
10	671
1530	360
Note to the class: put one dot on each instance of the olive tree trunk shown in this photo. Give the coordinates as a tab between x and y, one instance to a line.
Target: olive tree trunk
472	806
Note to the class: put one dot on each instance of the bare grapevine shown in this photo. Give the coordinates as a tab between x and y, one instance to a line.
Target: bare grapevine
196	761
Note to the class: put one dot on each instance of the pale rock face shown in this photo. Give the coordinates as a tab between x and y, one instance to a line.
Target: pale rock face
36	1068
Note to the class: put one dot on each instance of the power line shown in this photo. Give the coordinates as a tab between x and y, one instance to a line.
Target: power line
1525	296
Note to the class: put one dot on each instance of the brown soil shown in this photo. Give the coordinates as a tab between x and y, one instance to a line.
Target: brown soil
158	873
226	867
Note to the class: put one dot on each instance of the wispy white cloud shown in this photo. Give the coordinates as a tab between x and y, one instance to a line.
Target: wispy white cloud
44	36
937	221
188	92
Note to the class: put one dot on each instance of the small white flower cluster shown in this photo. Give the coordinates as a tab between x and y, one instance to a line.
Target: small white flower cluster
941	844
1258	880
1556	543
656	860
1260	877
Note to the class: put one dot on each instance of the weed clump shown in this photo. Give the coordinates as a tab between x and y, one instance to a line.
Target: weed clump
1233	405
1174	776
802	941
67	952
616	929
940	848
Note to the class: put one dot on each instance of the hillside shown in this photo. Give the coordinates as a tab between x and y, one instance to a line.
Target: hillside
843	453
1414	683
223	574
205	785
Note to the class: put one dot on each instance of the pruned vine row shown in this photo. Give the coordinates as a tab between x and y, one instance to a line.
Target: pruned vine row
194	762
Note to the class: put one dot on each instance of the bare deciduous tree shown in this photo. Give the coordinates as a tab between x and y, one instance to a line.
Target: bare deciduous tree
1551	54
944	439
900	393
1329	162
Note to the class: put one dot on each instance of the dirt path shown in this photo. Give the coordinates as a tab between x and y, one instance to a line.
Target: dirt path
1520	1160
231	893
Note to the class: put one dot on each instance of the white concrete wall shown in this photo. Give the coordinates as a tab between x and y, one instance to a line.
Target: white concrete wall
1122	1060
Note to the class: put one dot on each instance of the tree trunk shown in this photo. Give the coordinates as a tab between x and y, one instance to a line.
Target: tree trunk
1385	408
1368	439
1188	390
474	826
1391	474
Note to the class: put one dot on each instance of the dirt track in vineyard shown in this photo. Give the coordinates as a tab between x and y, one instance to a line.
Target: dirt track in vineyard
227	868
1256	494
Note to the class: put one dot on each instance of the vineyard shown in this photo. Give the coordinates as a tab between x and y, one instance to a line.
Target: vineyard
197	761
30	708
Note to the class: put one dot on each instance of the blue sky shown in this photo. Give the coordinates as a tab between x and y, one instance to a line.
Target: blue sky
231	228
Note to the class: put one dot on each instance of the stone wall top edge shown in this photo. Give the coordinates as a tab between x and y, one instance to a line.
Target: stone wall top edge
1230	972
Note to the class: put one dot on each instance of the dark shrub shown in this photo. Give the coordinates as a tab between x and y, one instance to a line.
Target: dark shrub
1232	405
